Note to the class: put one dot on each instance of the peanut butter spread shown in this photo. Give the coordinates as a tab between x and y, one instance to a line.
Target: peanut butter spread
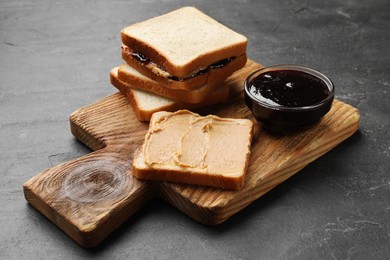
208	144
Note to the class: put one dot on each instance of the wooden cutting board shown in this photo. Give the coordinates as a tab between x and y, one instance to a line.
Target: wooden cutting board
91	196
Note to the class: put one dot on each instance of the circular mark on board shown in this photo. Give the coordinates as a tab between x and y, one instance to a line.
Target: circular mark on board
98	180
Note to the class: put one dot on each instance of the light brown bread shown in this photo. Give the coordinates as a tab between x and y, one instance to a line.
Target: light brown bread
136	80
183	41
211	77
145	103
188	148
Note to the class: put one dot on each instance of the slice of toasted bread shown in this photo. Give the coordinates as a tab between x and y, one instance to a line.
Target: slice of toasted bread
183	41
211	76
188	148
145	103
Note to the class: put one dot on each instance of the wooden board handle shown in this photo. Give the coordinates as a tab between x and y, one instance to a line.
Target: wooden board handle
90	196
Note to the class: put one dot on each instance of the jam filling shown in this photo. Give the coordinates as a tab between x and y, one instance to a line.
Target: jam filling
219	64
141	58
288	88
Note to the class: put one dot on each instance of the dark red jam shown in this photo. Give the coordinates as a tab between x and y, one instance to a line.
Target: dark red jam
216	65
288	88
219	64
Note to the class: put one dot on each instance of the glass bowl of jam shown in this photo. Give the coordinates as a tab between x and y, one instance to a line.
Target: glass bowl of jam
286	98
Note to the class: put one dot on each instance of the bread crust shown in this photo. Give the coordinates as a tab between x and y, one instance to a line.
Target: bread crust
141	114
189	96
218	96
143	172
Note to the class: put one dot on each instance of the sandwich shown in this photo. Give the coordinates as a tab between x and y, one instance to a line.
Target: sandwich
181	58
183	49
179	61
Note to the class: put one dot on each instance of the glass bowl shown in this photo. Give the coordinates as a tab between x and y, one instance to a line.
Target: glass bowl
301	109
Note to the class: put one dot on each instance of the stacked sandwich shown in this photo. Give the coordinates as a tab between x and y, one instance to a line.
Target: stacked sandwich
177	60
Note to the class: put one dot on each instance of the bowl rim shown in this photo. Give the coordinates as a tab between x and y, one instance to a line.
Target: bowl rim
308	70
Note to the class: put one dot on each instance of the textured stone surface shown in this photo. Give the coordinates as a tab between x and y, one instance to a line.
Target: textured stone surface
55	57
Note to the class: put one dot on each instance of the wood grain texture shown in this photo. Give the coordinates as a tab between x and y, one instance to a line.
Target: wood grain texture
91	196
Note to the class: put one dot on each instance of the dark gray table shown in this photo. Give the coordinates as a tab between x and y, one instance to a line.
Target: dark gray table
55	57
